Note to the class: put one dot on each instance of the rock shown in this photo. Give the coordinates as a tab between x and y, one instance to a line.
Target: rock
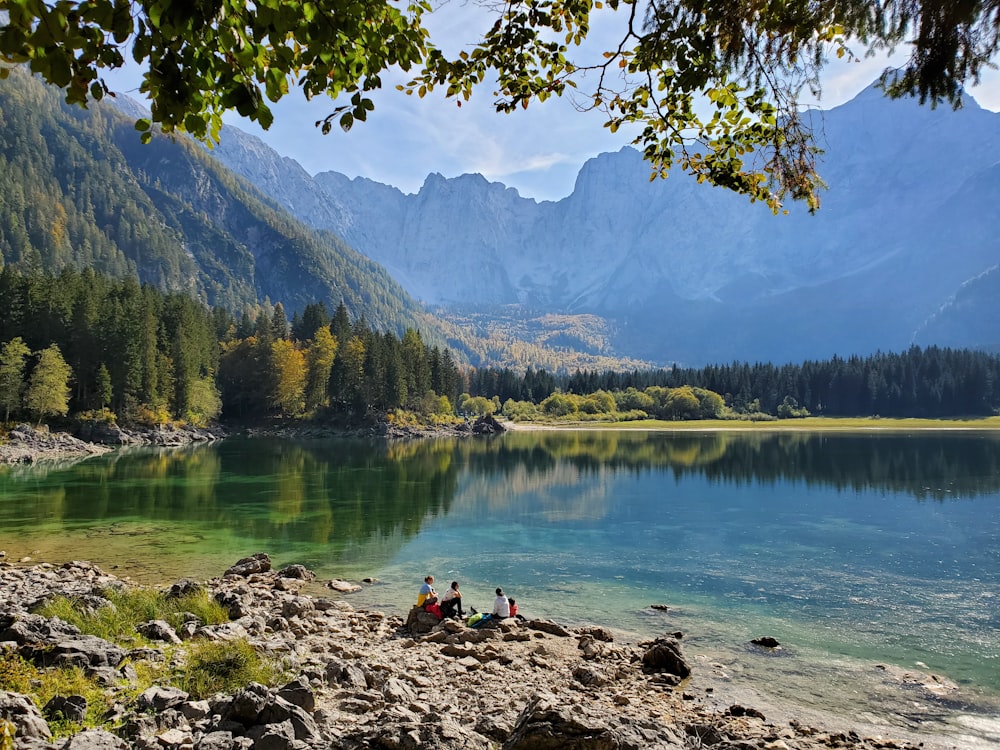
598	634
279	711
547	724
704	735
659	607
420	621
258	563
547	626
94	739
80	651
247	704
344	587
664	655
766	642
487	425
158	630
157	698
175	739
69	708
184	587
738	710
299	693
27	719
296	571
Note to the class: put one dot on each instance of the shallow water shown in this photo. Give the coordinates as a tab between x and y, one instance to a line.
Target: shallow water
853	550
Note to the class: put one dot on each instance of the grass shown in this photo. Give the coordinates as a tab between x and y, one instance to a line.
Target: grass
131	607
206	667
223	666
818	424
20	676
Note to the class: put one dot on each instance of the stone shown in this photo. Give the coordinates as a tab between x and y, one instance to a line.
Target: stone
175	739
27	719
247	704
766	642
299	693
258	563
184	587
157	698
296	571
69	708
344	587
94	739
664	655
158	630
547	626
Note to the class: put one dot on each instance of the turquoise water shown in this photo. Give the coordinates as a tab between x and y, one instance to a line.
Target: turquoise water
850	549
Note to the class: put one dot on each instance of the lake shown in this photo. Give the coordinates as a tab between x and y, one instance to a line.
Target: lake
864	554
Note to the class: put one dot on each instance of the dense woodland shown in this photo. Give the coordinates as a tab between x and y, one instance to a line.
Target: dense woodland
99	348
931	382
140	355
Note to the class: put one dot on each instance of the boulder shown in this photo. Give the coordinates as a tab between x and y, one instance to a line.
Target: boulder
664	655
547	626
766	642
158	699
258	563
94	739
344	587
158	630
27	719
67	707
296	571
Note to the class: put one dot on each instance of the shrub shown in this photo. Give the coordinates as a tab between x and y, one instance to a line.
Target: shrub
223	666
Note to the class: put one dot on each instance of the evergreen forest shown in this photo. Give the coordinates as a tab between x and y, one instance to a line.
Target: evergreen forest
95	347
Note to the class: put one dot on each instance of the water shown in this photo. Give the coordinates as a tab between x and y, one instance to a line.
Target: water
857	552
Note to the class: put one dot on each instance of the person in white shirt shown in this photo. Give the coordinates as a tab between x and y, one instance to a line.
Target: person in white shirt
501	607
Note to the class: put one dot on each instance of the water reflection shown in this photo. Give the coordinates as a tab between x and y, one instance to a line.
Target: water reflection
346	492
842	544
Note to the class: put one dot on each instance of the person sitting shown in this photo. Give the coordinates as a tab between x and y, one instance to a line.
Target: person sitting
451	602
501	605
427	593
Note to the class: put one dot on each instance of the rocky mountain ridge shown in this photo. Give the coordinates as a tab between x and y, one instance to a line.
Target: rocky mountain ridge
692	273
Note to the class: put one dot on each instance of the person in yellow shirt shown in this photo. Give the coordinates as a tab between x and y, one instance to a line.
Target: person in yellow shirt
427	593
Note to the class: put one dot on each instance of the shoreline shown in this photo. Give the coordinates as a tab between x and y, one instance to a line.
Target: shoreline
33	444
374	682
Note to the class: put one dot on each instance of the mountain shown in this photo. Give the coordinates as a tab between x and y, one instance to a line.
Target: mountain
77	188
685	272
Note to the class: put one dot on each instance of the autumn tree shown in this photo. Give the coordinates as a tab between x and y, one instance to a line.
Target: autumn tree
13	358
48	386
319	361
713	88
289	372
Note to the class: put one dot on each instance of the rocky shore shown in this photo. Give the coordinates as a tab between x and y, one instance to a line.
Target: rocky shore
360	679
27	444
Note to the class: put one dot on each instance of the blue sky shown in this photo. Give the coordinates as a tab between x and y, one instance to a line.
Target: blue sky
538	151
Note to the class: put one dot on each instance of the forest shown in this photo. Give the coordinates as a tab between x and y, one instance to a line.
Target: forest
90	347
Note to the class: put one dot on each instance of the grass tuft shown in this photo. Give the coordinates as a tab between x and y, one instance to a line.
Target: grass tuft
224	666
126	608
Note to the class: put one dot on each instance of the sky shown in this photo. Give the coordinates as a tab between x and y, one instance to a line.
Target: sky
538	151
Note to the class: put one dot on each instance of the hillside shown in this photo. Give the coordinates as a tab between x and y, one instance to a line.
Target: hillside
77	188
